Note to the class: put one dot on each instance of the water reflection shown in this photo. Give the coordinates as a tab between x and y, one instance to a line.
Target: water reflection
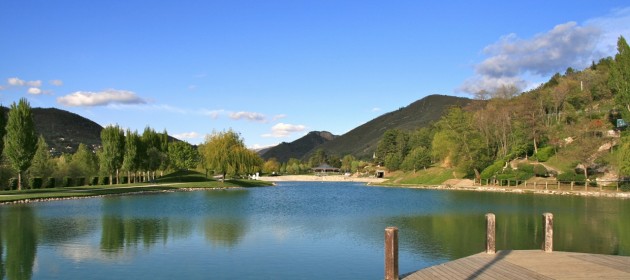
224	232
314	221
19	235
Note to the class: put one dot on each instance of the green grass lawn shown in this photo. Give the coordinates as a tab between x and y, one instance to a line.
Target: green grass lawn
171	182
430	176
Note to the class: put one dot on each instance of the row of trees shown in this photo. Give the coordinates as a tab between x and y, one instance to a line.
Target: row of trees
136	156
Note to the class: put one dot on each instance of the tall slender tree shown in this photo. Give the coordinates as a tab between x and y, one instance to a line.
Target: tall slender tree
20	138
619	79
113	150
42	164
131	161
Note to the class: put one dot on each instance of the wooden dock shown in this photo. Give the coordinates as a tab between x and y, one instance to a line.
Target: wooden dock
529	264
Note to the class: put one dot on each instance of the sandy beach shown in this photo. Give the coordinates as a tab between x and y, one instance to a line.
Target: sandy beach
327	178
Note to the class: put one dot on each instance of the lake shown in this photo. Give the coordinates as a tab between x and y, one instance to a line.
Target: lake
297	230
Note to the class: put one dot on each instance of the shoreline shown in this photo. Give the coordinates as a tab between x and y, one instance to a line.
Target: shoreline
325	178
621	195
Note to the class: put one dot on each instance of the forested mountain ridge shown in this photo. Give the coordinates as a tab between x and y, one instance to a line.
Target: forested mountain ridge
298	148
63	130
361	141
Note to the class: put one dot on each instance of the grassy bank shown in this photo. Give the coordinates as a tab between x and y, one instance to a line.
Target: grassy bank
172	182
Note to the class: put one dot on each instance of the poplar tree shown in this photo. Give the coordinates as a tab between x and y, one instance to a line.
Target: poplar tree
41	165
112	153
20	138
131	162
619	80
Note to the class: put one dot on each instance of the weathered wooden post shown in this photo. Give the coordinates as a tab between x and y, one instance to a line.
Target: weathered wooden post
546	184
558	184
548	226
391	253
491	247
571	185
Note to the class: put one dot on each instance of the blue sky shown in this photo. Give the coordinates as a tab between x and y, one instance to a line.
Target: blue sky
275	70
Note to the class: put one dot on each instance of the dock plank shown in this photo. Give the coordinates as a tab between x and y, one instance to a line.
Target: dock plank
529	264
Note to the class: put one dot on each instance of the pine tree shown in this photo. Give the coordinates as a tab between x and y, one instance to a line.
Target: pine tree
20	138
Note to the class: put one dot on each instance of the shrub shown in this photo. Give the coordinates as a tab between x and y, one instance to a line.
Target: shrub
36	182
50	183
103	180
571	177
94	181
493	169
67	182
540	170
545	153
124	179
80	181
13	183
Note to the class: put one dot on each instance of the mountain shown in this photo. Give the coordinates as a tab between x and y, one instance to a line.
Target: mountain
361	141
64	131
298	148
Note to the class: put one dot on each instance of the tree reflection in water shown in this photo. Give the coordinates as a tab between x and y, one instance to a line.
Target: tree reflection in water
20	238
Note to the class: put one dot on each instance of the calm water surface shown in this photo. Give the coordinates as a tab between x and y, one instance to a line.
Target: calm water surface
292	231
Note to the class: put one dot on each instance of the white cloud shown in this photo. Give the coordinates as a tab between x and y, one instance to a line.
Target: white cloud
282	130
57	83
214	114
37	83
17	82
102	98
34	91
187	135
616	23
250	116
566	45
376	109
278	117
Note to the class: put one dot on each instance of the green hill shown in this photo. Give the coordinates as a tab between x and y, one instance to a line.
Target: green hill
63	130
298	148
361	141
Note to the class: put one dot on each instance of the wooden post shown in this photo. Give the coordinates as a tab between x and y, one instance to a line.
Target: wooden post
548	226
546	184
491	247
558	184
571	185
391	253
535	183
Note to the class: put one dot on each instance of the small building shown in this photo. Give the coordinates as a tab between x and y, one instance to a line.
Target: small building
325	168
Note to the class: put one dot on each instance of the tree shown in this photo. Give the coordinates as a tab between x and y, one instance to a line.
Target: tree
419	157
225	153
624	155
619	79
318	158
20	138
271	166
84	162
112	152
155	150
42	165
182	155
131	161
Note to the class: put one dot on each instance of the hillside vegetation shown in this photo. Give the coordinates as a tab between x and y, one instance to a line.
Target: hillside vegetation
574	120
